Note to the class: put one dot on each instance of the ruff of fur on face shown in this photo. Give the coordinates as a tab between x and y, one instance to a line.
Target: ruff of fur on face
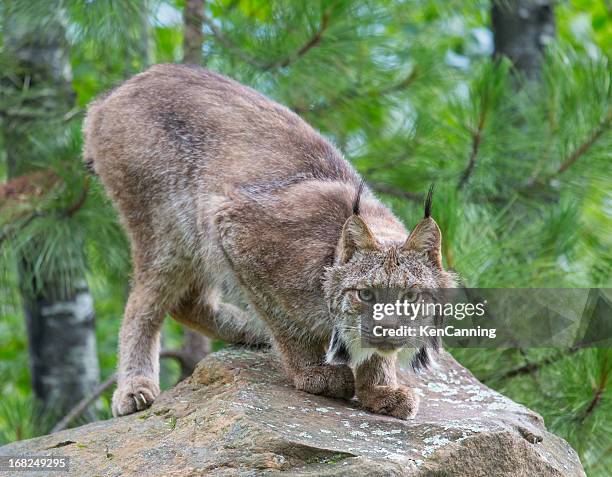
384	269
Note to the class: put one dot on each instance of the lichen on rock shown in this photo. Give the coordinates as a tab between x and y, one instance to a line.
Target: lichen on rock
238	415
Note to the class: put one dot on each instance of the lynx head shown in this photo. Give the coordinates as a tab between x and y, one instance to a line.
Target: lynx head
370	271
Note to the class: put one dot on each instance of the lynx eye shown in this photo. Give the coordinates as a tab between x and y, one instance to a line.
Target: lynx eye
366	295
411	296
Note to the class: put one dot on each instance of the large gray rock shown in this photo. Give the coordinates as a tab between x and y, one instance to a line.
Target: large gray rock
239	416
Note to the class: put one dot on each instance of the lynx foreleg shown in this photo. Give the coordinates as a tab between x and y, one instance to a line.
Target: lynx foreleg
138	374
304	364
377	389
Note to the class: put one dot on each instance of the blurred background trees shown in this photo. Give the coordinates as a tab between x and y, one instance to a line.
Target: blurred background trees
506	106
57	304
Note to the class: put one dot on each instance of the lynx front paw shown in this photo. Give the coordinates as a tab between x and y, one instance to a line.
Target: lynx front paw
399	402
134	395
335	381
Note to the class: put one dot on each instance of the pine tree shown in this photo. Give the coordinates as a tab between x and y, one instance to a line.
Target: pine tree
57	304
411	94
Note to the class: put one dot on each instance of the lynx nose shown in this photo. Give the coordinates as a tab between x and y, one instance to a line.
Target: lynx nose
385	335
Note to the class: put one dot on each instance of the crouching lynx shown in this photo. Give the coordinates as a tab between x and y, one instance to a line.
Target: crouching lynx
248	226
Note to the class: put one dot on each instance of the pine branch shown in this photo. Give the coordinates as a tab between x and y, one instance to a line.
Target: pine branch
386	166
73	113
532	367
601	128
82	405
231	46
355	93
313	41
22	189
476	141
74	208
594	402
184	357
571	159
29	186
599	390
8	231
607	452
489	95
397	192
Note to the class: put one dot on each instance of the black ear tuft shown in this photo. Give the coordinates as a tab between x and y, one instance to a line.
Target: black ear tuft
357	201
428	201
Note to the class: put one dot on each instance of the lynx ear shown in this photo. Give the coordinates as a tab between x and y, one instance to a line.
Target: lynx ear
426	236
356	235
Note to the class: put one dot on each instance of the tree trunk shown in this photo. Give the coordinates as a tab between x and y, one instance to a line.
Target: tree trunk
58	309
193	36
521	30
146	44
195	345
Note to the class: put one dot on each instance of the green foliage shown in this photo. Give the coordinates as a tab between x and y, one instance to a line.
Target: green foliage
568	389
21	418
409	92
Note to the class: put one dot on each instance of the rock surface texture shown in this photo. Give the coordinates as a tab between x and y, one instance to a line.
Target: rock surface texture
238	415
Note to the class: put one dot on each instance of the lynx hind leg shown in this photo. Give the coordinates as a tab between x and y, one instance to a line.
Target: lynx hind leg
305	365
139	341
203	311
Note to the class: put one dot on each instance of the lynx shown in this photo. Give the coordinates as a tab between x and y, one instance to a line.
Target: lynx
247	225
